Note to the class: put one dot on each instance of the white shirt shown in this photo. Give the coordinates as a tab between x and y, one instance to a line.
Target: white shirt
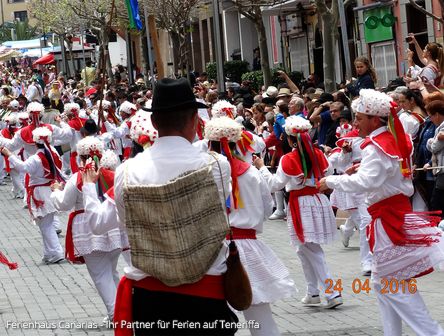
256	199
62	134
166	159
379	176
410	123
34	93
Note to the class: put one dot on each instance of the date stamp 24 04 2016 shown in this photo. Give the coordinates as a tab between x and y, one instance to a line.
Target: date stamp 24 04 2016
388	286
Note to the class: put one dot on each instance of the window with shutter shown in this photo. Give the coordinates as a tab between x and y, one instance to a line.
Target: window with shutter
384	62
299	55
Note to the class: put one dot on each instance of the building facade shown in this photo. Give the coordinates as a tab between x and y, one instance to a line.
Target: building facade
11	10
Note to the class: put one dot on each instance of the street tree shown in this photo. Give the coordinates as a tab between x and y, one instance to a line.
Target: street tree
174	17
100	16
56	17
329	17
252	10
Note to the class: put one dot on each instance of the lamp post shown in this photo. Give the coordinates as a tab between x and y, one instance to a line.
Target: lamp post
218	45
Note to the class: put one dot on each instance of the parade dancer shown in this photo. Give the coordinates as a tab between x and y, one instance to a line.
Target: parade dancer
23	138
76	123
405	244
16	177
43	169
100	253
311	221
251	204
344	158
127	110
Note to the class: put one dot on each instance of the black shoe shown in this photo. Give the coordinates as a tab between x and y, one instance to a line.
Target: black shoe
58	231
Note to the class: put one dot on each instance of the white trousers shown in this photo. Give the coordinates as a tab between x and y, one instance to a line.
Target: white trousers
315	269
66	161
280	201
360	218
2	169
261	313
102	269
51	243
409	308
56	222
18	188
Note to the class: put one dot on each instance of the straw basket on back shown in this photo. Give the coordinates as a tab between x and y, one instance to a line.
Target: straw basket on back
175	230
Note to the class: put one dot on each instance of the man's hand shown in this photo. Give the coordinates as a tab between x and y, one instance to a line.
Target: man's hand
56	186
327	150
6	152
440	136
323	184
89	173
258	162
352	170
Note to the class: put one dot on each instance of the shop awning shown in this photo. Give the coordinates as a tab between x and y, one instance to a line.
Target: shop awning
46	59
7	53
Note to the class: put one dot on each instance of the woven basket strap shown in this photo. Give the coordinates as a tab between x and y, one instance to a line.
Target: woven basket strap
125	177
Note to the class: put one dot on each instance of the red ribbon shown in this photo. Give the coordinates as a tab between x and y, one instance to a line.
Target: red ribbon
4	260
401	140
73	162
30	195
69	243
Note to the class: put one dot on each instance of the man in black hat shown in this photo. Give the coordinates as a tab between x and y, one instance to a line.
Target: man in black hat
89	128
194	308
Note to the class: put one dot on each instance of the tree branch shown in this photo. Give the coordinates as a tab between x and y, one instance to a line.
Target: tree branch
422	10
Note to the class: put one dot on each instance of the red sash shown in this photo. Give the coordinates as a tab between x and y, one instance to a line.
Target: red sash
69	243
241	234
7	134
296	211
73	162
30	195
210	286
392	211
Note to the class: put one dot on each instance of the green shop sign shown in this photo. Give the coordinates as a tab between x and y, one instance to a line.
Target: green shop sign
378	23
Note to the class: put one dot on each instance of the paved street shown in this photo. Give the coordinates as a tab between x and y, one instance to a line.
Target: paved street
62	298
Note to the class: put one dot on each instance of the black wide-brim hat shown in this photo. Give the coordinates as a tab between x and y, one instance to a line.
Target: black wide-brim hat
172	94
90	127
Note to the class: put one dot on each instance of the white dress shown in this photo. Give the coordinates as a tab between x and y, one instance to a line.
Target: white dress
317	217
270	279
85	241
